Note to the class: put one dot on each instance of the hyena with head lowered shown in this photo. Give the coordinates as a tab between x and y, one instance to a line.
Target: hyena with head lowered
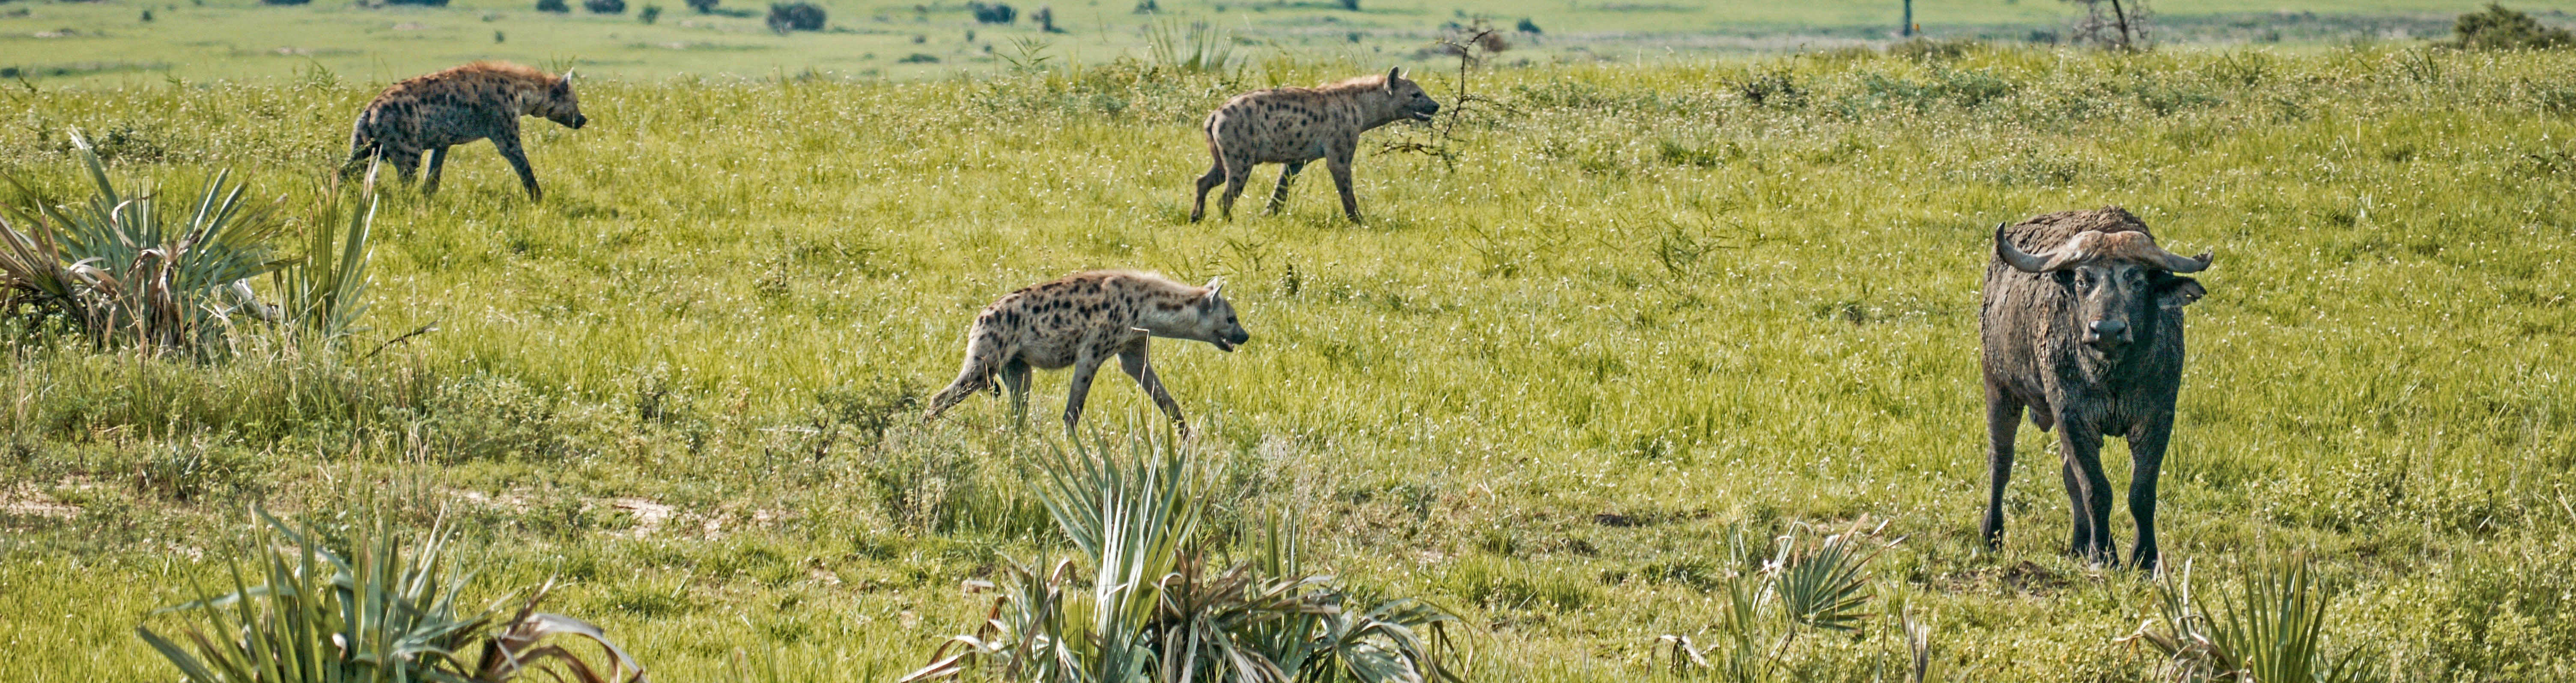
1081	320
1293	126
477	101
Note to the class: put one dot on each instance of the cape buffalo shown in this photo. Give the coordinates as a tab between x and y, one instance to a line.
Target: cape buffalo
2082	324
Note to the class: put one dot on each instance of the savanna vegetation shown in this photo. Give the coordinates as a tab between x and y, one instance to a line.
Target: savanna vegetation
1637	372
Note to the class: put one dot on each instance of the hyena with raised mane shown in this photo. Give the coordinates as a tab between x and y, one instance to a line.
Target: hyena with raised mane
477	101
1294	126
1081	320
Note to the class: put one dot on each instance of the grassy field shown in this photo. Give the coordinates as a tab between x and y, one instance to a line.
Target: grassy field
1639	309
110	42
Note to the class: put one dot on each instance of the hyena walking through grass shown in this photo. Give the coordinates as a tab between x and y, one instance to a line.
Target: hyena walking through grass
1294	126
1081	320
477	101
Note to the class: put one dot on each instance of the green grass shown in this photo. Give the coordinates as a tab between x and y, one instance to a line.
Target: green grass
1538	388
107	42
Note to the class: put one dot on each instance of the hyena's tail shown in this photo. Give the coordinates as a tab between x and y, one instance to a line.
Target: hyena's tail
983	357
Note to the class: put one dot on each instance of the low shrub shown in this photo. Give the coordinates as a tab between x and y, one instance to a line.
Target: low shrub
555	6
604	6
795	16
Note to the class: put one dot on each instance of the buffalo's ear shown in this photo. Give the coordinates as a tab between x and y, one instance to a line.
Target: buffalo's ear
2175	291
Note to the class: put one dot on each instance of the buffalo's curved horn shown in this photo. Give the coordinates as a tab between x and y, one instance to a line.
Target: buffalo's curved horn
2179	263
2005	250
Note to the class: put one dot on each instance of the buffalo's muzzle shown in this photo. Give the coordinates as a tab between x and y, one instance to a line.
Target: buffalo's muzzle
2107	333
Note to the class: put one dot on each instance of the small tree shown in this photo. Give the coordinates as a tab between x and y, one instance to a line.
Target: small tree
2116	24
555	6
2498	28
702	6
604	6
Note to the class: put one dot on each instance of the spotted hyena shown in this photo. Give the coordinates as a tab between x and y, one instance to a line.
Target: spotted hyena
460	105
1082	320
1293	126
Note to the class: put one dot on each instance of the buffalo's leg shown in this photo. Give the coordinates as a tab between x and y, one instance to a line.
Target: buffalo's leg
2003	419
2088	491
1279	197
2147	459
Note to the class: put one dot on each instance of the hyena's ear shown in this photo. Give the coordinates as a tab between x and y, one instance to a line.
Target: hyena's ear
1393	74
1214	285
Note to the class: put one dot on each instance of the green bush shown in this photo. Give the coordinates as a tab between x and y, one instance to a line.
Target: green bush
2503	29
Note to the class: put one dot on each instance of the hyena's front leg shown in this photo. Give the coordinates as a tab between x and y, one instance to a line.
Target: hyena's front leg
1339	162
1279	197
508	143
1133	360
437	160
1084	367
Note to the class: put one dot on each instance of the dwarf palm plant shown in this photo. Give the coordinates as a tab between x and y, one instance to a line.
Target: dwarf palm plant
1154	608
2272	630
1802	587
383	612
121	269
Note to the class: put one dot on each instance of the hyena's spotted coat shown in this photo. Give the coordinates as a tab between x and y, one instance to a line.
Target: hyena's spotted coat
1293	126
1081	320
460	105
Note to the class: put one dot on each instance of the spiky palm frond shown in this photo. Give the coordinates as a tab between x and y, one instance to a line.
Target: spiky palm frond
2271	629
1824	587
1157	609
121	270
383	612
115	268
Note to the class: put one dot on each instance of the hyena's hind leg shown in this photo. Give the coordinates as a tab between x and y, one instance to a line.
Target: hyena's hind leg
437	160
1238	172
1015	376
1279	197
1215	176
360	149
406	162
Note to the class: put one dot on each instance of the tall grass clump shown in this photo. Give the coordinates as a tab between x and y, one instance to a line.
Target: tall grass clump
1146	600
1195	48
382	610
